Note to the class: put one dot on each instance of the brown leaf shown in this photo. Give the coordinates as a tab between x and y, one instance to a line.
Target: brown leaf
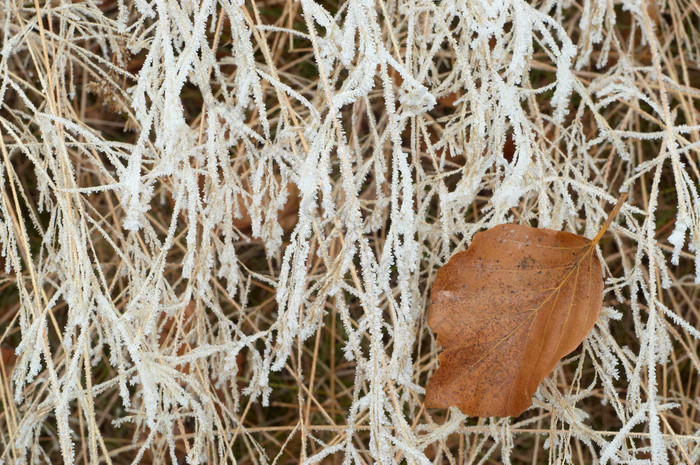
506	310
8	357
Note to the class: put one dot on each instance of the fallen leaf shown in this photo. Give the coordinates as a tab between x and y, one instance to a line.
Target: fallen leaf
8	358
506	311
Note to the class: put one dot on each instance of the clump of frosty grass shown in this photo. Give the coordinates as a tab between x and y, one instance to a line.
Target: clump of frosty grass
219	224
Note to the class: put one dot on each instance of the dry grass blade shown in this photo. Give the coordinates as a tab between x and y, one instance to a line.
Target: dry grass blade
220	221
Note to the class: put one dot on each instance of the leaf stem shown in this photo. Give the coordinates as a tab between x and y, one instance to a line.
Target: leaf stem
610	219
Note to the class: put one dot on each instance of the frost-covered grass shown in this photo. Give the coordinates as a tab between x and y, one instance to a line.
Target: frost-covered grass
220	221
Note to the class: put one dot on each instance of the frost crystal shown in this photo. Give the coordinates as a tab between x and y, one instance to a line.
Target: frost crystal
221	219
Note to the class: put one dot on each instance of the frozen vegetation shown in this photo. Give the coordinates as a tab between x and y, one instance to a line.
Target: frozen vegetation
220	221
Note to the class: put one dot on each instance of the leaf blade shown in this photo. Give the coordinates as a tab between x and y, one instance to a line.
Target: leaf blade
500	335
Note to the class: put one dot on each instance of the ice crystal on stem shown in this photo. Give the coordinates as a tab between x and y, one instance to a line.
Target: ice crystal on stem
220	221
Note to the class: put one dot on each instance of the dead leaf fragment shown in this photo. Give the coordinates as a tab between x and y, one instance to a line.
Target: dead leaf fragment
506	311
8	357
